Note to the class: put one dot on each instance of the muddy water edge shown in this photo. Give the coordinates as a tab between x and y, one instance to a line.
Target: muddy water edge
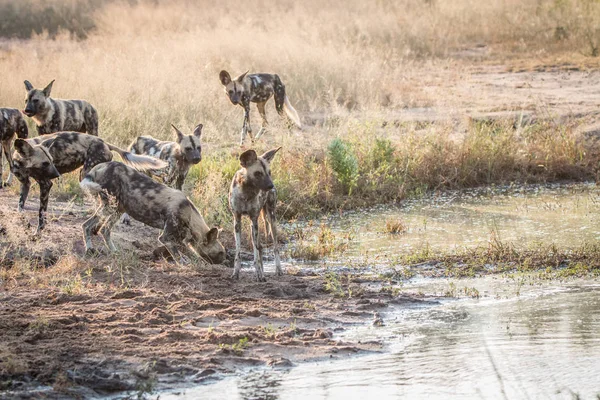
490	292
504	330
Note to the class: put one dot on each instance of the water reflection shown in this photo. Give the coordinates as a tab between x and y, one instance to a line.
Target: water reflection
543	345
564	215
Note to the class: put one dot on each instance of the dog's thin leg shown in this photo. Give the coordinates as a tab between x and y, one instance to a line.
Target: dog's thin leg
246	128
273	229
263	115
111	218
89	227
25	185
179	181
45	187
167	238
7	155
258	253
237	229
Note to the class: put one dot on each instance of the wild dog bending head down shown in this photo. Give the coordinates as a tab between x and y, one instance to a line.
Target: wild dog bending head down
55	115
11	124
122	189
179	155
44	158
252	191
258	88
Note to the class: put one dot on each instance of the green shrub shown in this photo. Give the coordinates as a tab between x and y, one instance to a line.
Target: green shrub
343	163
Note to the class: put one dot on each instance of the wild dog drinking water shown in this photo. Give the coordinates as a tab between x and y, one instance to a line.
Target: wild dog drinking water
55	115
11	124
120	189
252	192
258	88
44	158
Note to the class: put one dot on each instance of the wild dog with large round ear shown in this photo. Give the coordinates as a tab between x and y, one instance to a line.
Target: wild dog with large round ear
258	88
179	155
252	191
56	115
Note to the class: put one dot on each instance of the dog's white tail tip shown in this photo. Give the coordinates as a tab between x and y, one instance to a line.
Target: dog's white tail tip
90	186
291	112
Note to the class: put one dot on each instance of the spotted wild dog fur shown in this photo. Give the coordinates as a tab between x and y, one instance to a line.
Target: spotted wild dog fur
11	124
252	192
44	158
55	115
258	88
179	155
120	189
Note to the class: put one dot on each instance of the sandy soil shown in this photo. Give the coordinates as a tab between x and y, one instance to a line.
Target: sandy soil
85	327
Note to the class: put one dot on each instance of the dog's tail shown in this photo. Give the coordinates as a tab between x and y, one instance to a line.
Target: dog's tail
139	162
89	186
291	112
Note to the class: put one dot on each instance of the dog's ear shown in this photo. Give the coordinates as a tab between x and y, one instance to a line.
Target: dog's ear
28	85
268	156
48	89
242	76
212	235
178	133
225	78
198	130
248	158
23	148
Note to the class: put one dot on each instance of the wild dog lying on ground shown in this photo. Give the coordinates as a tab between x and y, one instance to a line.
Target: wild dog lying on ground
252	192
55	115
179	155
44	158
123	189
258	88
11	123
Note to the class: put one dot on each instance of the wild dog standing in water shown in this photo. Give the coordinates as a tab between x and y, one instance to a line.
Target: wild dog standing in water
179	155
11	123
55	115
123	189
44	158
258	88
252	192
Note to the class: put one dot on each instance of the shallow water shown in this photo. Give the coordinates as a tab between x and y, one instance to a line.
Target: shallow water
543	344
564	215
529	342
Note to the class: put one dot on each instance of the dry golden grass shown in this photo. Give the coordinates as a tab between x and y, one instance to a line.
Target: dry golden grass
146	65
348	68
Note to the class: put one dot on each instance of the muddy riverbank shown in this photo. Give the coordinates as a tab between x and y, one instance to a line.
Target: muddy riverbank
129	324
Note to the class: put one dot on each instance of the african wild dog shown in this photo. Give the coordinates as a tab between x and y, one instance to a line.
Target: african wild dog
123	189
258	88
252	192
44	158
55	115
179	155
11	123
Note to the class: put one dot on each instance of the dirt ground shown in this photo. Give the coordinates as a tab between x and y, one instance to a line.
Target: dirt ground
72	326
77	327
